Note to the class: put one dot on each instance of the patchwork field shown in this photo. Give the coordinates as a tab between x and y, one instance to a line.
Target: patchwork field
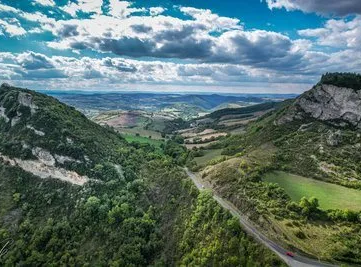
146	124
330	196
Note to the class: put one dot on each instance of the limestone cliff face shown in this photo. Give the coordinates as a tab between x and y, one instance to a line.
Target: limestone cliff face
337	105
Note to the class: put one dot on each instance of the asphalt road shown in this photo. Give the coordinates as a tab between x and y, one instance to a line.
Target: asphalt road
296	261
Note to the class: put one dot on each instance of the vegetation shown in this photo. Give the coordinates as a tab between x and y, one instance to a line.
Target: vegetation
242	111
138	209
206	230
141	139
342	79
330	196
319	215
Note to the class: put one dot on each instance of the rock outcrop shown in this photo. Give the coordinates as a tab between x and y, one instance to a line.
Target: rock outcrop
337	105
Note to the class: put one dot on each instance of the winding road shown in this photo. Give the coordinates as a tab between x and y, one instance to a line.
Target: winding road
296	261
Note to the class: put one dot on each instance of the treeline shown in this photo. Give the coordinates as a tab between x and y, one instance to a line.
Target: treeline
342	79
242	111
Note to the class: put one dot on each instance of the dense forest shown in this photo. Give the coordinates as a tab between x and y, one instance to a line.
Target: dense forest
137	208
342	79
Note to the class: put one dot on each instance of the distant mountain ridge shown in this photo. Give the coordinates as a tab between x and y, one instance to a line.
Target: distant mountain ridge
156	101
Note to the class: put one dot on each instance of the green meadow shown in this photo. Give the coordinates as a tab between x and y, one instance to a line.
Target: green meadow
141	139
330	196
208	155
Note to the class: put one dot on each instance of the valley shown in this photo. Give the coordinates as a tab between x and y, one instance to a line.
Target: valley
257	162
180	133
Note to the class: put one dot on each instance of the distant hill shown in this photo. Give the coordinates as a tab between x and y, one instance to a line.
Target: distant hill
155	102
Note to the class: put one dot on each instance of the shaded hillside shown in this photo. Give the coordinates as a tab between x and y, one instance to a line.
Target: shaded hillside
74	193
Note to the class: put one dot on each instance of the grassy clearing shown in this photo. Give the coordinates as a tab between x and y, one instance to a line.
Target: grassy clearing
209	155
319	237
141	132
141	139
330	196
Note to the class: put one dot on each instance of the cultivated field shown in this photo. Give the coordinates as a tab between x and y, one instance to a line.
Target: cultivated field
330	196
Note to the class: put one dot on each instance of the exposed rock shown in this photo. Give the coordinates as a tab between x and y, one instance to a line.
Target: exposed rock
338	105
3	115
16	119
38	168
333	138
63	159
40	133
328	168
26	100
44	156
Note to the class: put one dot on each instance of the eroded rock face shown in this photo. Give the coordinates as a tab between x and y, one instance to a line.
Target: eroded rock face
3	115
338	105
44	156
44	171
26	100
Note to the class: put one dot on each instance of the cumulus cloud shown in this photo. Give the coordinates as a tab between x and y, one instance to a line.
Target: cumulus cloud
170	37
326	7
87	6
148	46
11	29
337	33
34	61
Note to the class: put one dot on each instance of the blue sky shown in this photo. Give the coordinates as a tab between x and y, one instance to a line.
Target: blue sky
273	46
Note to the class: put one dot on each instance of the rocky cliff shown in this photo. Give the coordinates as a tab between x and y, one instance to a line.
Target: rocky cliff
339	106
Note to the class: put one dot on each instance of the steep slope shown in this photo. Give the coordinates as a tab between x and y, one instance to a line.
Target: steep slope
317	136
74	193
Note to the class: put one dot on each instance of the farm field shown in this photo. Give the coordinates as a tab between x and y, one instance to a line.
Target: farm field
132	138
209	155
141	131
330	196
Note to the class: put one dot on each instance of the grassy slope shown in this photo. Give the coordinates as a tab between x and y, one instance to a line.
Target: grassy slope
209	155
330	196
300	147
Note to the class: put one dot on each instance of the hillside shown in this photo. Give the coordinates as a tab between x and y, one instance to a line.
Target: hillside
308	147
74	193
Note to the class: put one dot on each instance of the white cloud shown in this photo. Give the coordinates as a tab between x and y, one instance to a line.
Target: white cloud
155	11
87	6
201	48
211	20
337	33
122	9
45	2
11	29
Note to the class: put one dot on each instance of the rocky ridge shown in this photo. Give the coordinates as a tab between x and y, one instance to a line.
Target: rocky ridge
339	106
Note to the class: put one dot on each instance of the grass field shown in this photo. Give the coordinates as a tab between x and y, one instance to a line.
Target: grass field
330	196
141	139
140	131
209	155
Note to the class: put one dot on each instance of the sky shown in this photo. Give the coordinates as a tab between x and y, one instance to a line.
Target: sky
230	46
